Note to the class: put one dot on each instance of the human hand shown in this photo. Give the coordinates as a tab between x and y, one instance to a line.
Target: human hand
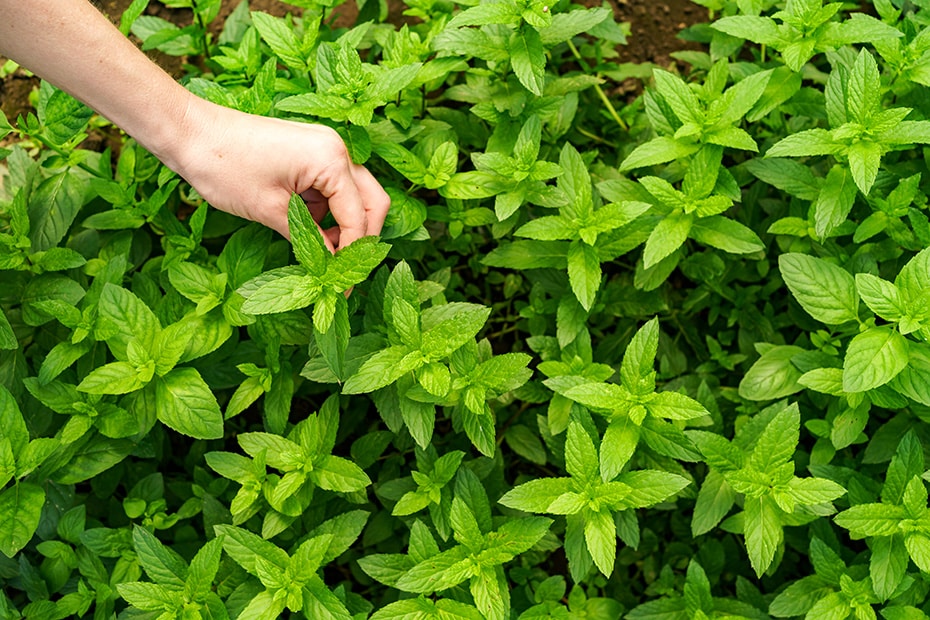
250	165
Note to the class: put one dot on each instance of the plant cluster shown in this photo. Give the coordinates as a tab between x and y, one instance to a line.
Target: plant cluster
665	357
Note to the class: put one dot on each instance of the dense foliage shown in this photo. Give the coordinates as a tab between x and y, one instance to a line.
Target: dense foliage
662	358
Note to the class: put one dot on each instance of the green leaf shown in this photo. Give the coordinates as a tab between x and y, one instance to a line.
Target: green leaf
484	14
617	446
651	487
837	197
436	573
20	509
528	60
53	205
762	531
873	358
243	256
918	547
887	564
827	292
422	607
338	474
8	339
762	30
525	443
669	235
113	378
12	422
536	495
281	294
786	175
597	396
782	86
382	369
149	596
813	491
5	127
864	160
528	255
714	501
584	272
659	150
186	404
675	406
306	239
130	317
581	459
864	89
245	548
281	39
601	537
777	442
161	564
685	104
344	529
806	144
881	296
914	380
639	357
799	597
449	326
871	520
353	263
773	375
726	234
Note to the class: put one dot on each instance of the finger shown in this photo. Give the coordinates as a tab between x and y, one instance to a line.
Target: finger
331	237
317	204
276	219
375	200
337	185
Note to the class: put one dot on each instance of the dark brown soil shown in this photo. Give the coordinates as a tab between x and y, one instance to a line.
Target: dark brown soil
654	25
654	28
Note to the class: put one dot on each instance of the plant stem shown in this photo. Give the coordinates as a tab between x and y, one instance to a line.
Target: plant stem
65	154
595	137
597	87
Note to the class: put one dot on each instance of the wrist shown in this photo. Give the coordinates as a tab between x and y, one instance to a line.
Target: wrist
167	127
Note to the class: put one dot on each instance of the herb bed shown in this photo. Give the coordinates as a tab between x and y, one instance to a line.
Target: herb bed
663	356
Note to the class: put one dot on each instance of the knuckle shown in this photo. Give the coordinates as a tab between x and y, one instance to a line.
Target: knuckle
381	201
331	143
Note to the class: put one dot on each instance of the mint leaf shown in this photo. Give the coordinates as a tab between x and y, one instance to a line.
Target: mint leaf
186	404
584	272
827	292
161	564
670	233
528	59
773	375
20	509
873	358
306	239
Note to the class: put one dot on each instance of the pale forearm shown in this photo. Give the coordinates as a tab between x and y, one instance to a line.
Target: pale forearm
244	164
70	44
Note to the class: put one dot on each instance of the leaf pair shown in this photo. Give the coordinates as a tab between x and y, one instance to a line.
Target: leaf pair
757	465
597	508
633	409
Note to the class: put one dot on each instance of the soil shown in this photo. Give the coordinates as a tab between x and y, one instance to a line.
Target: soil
654	28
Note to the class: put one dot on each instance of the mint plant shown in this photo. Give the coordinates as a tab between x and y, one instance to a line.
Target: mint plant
597	505
645	348
758	468
634	410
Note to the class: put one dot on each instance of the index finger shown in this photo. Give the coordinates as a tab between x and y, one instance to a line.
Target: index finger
375	200
345	203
